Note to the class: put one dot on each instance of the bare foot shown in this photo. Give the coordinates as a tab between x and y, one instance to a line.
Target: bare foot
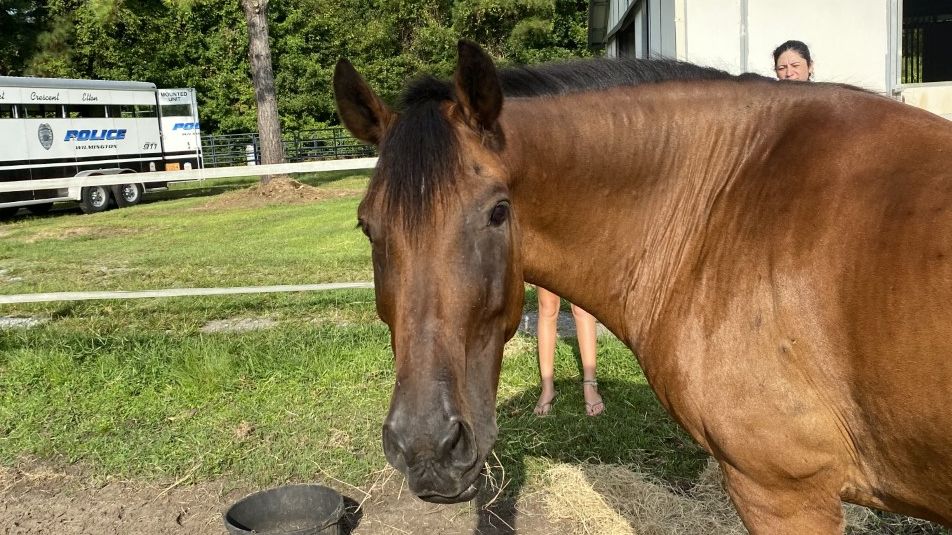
546	400
593	400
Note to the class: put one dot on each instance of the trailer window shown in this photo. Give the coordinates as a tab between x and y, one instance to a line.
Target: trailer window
78	111
113	111
127	111
6	111
145	111
177	110
43	111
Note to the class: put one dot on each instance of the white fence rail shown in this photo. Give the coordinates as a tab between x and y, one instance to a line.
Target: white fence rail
176	292
192	174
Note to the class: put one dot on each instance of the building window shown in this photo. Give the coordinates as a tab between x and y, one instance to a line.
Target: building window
926	41
631	39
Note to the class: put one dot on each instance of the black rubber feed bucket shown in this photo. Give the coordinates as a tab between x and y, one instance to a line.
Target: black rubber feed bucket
288	510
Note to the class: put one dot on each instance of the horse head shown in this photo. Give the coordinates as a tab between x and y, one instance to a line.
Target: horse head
447	266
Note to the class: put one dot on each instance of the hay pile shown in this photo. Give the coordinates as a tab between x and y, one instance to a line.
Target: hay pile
615	500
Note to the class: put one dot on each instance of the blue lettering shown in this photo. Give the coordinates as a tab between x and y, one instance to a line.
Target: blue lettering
185	126
95	135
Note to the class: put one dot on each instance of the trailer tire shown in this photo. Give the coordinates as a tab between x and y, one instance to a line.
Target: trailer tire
40	209
94	199
127	194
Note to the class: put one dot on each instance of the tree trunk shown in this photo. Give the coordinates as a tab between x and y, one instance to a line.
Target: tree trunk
259	54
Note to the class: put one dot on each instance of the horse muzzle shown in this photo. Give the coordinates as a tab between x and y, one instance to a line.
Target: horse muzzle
438	455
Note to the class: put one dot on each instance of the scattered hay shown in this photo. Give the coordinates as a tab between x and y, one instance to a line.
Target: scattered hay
613	499
568	495
338	439
520	344
276	191
244	430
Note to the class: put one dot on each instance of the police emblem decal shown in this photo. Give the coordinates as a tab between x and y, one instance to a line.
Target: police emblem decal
45	133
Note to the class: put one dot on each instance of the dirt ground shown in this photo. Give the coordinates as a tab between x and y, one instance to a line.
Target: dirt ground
35	499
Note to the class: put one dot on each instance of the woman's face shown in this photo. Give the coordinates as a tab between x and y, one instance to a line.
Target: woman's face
791	66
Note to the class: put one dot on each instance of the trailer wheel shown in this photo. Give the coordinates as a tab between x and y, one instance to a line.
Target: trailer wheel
40	209
94	199
127	194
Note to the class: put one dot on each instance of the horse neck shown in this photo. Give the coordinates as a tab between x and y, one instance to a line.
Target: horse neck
612	190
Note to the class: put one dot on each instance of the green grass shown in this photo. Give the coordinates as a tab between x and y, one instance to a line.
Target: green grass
158	399
171	244
147	400
137	389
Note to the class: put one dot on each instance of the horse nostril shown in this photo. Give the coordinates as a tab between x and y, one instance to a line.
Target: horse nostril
452	437
458	443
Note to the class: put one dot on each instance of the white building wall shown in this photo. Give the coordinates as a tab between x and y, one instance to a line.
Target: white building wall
849	39
713	29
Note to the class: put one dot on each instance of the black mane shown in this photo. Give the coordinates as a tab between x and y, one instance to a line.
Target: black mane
596	74
419	154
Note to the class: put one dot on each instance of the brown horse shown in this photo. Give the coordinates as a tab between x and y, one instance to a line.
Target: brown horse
778	255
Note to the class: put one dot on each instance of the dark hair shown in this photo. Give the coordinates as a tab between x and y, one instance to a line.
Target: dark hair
797	46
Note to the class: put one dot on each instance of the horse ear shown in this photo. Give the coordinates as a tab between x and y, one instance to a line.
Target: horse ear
477	86
359	108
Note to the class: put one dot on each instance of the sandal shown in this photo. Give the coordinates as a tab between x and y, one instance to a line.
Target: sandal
542	409
596	408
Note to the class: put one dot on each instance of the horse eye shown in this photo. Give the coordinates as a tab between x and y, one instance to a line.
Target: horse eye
500	214
363	228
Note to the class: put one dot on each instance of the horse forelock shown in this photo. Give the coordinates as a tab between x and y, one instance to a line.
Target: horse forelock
418	155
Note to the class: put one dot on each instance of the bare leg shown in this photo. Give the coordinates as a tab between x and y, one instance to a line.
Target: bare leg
546	333
787	508
585	330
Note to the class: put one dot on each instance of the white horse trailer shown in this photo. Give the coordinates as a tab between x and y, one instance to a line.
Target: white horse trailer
60	128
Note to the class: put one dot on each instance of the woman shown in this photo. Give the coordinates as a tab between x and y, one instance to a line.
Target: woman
585	330
792	61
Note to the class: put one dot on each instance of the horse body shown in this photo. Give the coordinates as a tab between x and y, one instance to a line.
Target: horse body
769	306
777	256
